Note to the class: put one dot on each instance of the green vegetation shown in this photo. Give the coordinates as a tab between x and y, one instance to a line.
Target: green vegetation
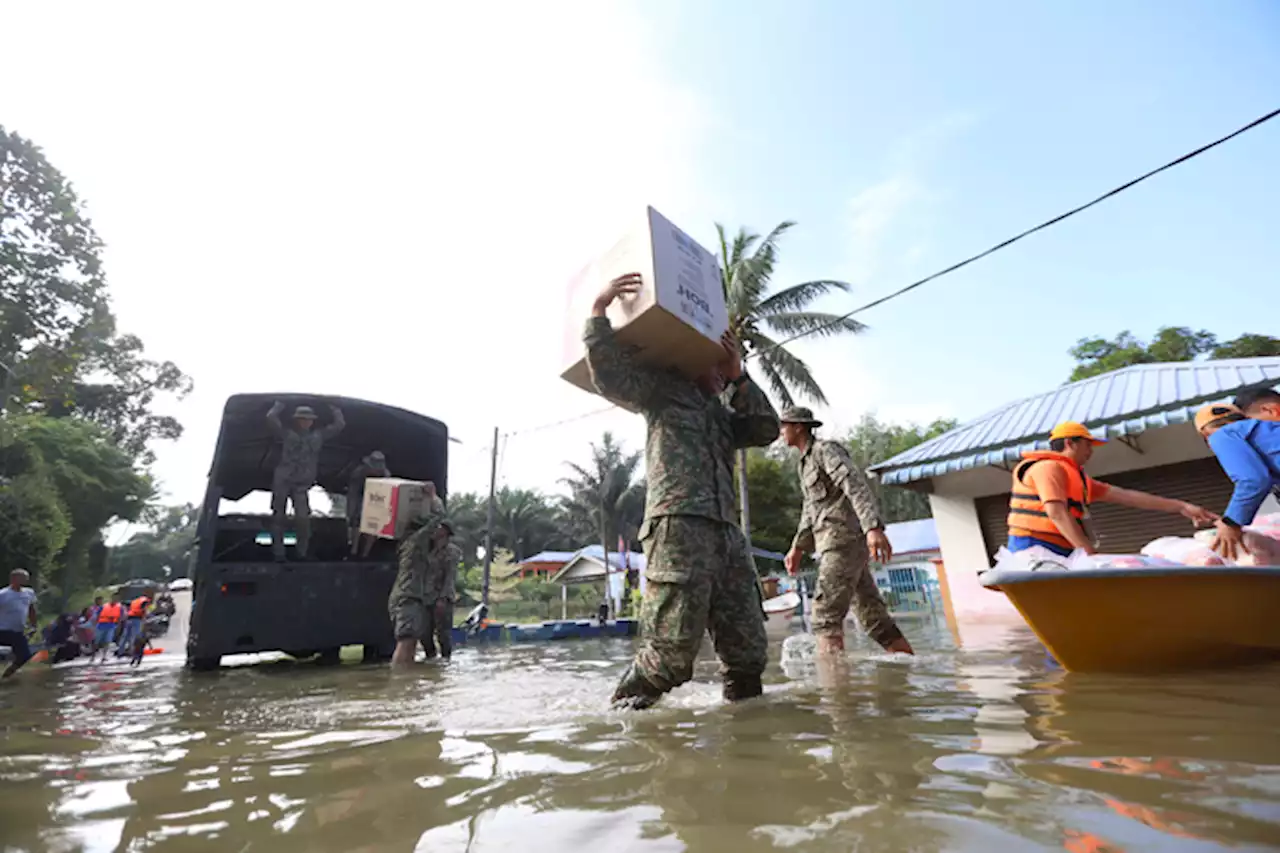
77	397
1095	356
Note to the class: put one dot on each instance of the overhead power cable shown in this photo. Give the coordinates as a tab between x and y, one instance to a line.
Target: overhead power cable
1009	242
961	264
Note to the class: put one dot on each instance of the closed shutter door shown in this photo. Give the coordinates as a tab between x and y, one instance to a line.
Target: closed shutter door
1120	529
993	515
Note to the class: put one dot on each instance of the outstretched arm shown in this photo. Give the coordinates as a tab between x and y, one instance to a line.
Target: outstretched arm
338	425
614	369
273	418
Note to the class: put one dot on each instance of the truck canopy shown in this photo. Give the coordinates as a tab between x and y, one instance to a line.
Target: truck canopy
416	446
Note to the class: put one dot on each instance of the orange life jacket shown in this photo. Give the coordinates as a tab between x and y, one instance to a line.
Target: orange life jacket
138	607
110	613
1026	511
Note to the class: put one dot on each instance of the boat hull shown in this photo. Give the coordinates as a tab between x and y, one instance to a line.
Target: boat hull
1149	620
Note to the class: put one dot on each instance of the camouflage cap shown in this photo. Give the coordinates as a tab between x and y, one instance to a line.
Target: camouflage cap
304	413
376	459
800	415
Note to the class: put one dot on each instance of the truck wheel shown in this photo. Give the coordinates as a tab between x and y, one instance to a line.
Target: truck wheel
204	664
330	657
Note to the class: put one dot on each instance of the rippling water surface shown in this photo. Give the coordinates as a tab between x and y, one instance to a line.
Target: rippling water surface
511	749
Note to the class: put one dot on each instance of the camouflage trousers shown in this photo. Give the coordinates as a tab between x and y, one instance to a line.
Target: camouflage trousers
700	578
413	619
844	578
282	494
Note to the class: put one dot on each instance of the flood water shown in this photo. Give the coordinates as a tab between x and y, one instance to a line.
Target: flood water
511	749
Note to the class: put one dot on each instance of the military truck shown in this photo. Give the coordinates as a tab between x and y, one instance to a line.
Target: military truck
246	602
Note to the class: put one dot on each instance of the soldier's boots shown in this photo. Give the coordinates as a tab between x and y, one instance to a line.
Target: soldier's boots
634	692
741	685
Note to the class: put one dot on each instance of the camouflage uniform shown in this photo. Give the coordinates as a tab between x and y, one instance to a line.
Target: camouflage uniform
838	507
372	465
295	473
700	575
421	601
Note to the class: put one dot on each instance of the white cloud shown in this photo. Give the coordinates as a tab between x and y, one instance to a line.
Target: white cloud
381	201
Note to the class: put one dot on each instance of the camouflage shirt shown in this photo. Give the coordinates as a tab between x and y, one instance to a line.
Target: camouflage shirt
355	487
300	455
691	434
428	571
839	506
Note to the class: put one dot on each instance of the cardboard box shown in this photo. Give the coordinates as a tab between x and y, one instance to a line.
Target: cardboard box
676	319
391	505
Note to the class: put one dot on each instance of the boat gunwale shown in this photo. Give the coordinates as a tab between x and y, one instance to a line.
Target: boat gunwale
996	578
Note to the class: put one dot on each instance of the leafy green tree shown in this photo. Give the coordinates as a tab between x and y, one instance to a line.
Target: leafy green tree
1095	356
88	479
604	495
774	487
33	520
60	351
1247	346
872	441
759	317
525	521
169	544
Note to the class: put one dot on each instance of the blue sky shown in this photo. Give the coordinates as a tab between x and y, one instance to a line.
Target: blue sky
404	189
987	118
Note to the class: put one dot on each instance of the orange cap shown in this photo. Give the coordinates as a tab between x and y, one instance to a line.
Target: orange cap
1215	411
1071	429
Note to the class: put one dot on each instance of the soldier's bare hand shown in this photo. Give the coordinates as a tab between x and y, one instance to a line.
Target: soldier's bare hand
731	367
629	283
878	544
792	561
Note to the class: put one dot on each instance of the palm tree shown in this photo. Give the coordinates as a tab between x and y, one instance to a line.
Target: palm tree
605	492
758	317
525	521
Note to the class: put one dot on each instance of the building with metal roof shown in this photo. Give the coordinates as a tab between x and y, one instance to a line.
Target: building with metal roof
1120	405
1144	412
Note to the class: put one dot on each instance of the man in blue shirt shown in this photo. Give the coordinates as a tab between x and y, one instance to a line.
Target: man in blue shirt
17	611
1248	449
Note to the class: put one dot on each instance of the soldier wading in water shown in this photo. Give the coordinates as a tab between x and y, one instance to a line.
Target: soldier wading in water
841	517
700	576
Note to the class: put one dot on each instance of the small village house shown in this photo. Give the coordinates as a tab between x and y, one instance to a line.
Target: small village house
1144	411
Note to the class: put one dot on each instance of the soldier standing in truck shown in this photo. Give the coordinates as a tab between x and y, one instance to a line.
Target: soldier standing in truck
296	472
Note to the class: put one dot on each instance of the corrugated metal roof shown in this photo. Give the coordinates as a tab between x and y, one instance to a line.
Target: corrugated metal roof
1124	402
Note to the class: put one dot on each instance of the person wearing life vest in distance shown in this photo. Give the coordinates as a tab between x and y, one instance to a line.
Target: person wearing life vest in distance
1246	441
133	622
110	617
1051	494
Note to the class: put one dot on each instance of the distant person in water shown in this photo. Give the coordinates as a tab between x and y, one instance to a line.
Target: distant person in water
17	613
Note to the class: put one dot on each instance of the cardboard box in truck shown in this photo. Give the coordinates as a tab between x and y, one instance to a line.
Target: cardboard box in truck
677	317
392	504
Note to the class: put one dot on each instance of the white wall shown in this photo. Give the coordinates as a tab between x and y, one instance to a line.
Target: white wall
964	554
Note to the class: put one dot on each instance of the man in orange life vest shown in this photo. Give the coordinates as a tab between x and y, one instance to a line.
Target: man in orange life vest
1051	495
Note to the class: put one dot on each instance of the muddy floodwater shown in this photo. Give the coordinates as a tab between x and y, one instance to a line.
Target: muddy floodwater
511	749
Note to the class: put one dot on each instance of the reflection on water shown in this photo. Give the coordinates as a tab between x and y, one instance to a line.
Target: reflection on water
512	749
